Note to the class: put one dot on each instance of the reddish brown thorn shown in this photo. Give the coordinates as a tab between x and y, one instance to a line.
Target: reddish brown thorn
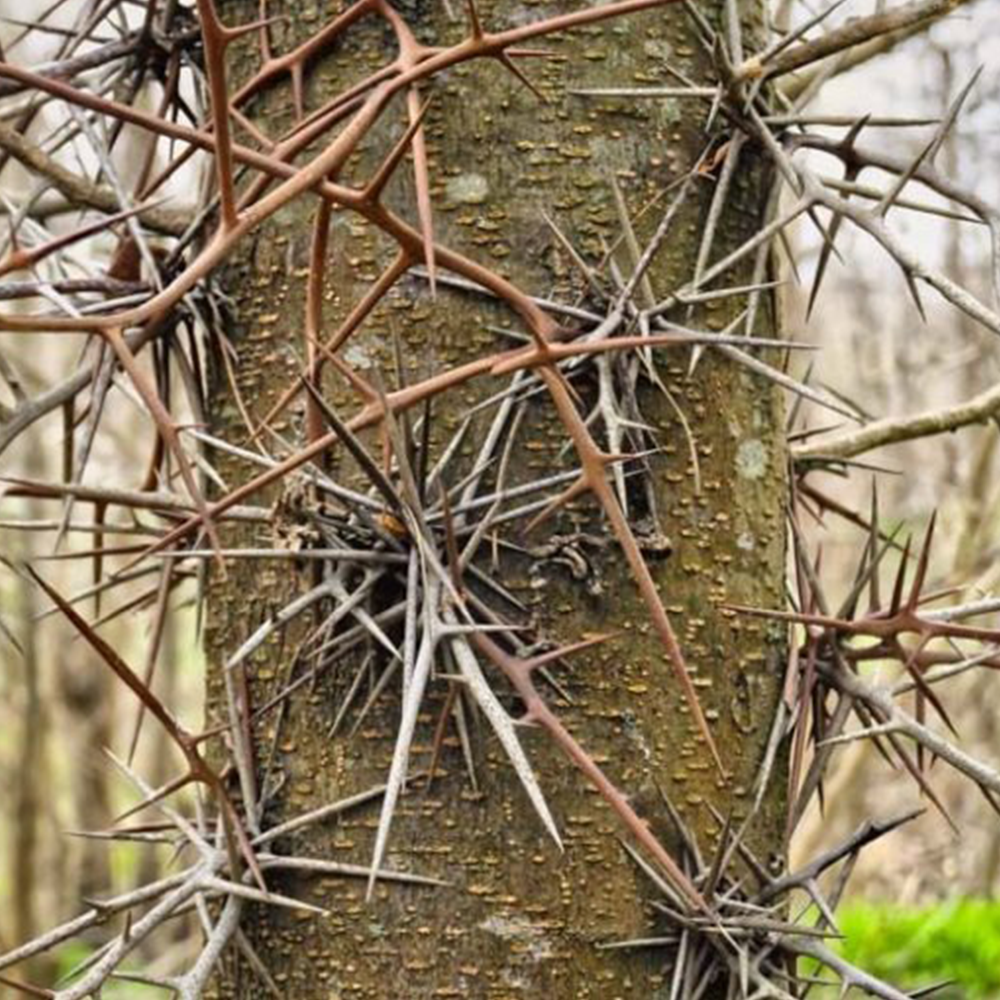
153	655
451	542
165	425
517	72
165	791
422	179
209	734
897	590
924	692
439	733
100	512
22	258
920	576
411	55
266	52
357	316
542	659
216	38
241	30
874	590
235	830
117	665
593	462
475	24
311	48
26	988
248	126
360	385
576	489
374	188
314	313
661	621
537	712
298	92
527	53
925	786
198	769
538	355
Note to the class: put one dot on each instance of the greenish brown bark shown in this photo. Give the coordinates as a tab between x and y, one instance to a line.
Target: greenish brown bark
519	919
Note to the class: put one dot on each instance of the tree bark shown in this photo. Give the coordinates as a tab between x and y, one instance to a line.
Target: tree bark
517	917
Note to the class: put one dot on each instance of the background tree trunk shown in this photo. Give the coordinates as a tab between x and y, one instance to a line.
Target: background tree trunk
519	919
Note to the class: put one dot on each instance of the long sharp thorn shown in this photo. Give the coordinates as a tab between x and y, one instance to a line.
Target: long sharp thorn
516	71
920	576
875	596
451	543
897	590
167	429
503	726
793	36
914	290
152	657
159	795
930	150
574	490
215	38
824	259
422	181
925	693
375	187
563	651
475	24
26	988
357	449
117	665
404	739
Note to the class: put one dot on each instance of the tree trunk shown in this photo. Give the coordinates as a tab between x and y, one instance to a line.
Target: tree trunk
518	918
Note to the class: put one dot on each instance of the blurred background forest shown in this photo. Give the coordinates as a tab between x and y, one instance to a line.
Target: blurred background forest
924	902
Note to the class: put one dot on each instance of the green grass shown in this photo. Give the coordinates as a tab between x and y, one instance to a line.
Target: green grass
914	947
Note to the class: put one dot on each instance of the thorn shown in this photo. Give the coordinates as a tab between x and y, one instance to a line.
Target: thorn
513	68
563	651
793	36
26	988
897	590
374	188
298	91
874	594
825	254
165	791
929	151
215	37
920	576
421	176
241	30
574	490
475	25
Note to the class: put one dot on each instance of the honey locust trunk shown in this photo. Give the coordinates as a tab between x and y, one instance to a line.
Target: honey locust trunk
560	196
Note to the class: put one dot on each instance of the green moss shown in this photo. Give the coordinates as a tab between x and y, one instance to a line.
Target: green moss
912	947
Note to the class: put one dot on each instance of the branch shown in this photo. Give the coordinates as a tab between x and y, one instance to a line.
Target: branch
855	32
893	430
82	192
797	86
